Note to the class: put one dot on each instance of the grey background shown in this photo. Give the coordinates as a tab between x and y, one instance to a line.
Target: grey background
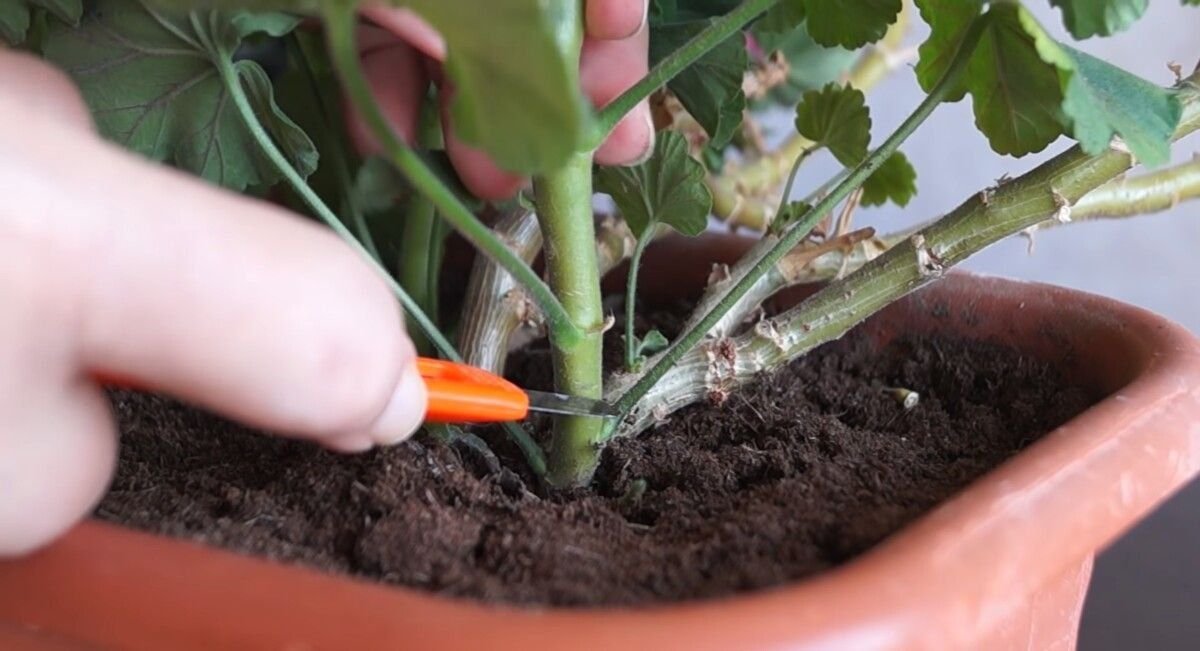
1145	588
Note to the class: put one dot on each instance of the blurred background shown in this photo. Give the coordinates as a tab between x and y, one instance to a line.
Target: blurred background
1145	587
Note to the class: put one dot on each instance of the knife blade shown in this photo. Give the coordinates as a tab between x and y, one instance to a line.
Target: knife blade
564	405
460	393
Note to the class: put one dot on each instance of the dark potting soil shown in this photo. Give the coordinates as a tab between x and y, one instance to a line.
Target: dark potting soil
795	474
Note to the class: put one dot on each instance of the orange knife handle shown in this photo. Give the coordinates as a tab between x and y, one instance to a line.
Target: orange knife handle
459	393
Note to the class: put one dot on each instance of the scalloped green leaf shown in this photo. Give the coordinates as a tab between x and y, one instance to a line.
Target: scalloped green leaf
850	23
711	88
152	79
836	117
895	181
948	21
1016	96
667	189
1029	89
1087	18
1101	101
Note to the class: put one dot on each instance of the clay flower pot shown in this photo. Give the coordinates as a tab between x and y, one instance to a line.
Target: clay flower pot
1004	564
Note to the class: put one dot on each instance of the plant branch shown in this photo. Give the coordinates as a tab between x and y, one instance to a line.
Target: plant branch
1152	192
745	194
725	362
809	262
495	304
676	62
794	235
340	29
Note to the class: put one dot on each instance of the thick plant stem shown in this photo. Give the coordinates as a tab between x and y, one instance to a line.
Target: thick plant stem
340	29
712	36
715	369
793	236
568	230
495	304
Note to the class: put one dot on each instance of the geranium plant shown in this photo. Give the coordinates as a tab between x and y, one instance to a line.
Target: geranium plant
245	94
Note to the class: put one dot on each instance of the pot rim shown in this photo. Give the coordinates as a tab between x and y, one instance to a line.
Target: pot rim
959	569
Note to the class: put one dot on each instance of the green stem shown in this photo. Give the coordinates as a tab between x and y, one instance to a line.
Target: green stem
337	156
417	242
533	453
631	352
341	24
568	230
666	69
796	234
420	244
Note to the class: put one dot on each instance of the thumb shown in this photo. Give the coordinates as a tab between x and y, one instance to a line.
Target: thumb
124	268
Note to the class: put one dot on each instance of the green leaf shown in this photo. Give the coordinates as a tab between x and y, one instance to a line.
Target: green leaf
517	91
653	342
1029	89
667	189
781	19
1086	18
14	21
160	82
894	181
377	185
836	117
948	21
1101	100
850	23
711	88
788	215
1016	96
16	16
1193	3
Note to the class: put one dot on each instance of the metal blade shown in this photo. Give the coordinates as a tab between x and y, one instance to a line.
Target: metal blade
557	403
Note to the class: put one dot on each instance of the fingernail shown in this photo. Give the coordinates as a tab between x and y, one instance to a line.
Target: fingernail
404	412
650	138
642	25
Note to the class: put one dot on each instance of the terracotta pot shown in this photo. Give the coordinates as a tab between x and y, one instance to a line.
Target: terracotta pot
1004	564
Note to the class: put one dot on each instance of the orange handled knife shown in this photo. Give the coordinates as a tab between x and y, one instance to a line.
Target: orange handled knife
459	393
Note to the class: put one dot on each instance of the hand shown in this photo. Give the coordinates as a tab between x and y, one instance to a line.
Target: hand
404	53
114	265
